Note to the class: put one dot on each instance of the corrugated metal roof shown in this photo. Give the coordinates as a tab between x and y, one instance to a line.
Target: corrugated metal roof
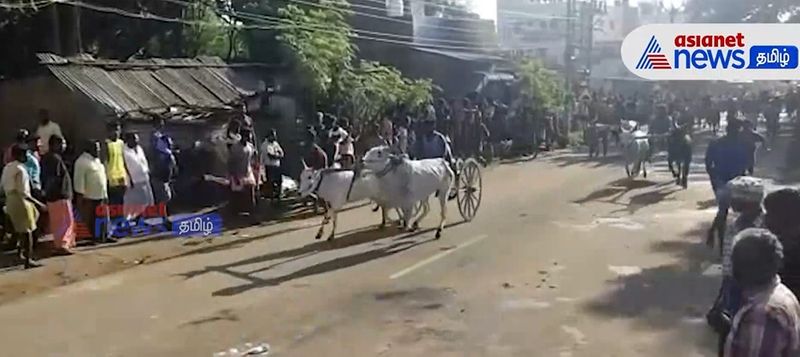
142	85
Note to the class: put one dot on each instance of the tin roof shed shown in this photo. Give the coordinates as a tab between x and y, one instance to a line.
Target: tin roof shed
136	87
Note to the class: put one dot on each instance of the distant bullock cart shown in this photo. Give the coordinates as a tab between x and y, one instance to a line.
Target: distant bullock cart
636	148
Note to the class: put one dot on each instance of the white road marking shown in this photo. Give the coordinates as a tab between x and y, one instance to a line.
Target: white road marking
524	304
713	270
625	270
576	334
437	257
621	223
614	222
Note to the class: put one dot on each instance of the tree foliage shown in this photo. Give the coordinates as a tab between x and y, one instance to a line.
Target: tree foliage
540	88
370	89
211	34
320	42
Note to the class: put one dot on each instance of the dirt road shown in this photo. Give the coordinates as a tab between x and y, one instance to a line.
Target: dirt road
565	258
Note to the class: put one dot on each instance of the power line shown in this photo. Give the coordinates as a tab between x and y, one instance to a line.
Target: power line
271	20
386	18
460	8
149	16
35	5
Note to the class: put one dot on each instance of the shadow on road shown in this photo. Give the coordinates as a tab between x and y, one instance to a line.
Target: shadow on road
614	190
325	267
580	158
354	238
645	199
671	297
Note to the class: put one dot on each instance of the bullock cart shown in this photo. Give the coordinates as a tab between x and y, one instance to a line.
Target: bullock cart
468	187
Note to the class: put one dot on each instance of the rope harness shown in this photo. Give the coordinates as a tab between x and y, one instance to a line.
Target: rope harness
394	162
325	172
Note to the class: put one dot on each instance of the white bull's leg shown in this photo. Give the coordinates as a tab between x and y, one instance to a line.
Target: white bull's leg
426	207
400	217
406	217
644	169
442	213
384	216
334	215
325	220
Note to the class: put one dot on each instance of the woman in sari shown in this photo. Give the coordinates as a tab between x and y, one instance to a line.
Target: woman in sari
57	187
20	205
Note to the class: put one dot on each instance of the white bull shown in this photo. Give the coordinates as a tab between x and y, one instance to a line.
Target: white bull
403	183
336	188
636	149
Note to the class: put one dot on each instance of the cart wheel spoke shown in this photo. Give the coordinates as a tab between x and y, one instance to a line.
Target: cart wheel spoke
469	189
473	176
471	206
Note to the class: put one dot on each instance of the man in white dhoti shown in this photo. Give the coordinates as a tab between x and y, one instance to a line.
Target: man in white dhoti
139	194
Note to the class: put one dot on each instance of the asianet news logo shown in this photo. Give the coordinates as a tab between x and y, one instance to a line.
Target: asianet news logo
717	52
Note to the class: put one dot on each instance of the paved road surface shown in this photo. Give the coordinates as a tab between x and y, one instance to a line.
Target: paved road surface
565	258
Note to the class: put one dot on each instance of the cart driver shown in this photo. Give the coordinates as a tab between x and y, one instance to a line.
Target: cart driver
431	144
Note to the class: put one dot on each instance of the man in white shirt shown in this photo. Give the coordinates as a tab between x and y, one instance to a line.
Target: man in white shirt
271	155
46	129
343	143
91	191
139	195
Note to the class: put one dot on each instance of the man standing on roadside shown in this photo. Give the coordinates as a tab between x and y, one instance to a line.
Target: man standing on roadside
768	324
746	196
139	195
114	160
91	191
782	207
163	166
271	155
726	159
46	129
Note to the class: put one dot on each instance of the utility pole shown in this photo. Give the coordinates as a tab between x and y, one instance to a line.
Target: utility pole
55	44
588	11
569	47
77	28
569	56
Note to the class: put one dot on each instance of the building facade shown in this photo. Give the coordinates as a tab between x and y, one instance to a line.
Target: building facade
595	28
447	43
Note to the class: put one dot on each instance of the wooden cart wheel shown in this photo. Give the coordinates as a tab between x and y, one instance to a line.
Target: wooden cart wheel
470	189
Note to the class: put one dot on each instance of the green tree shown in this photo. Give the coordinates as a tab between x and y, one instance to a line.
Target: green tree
319	39
211	34
371	89
540	88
